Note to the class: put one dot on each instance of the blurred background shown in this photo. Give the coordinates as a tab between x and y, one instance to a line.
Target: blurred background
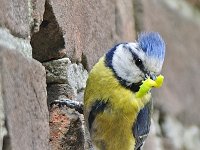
47	48
177	104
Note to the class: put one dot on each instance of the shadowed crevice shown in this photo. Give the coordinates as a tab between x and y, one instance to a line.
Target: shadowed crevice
48	43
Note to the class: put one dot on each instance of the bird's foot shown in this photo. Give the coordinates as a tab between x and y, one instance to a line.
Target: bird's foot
78	106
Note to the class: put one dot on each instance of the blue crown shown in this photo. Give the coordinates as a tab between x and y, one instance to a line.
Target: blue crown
152	44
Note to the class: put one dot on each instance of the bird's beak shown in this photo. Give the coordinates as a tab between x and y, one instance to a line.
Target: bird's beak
151	75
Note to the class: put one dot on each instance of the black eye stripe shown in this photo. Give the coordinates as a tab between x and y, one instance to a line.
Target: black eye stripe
136	58
138	62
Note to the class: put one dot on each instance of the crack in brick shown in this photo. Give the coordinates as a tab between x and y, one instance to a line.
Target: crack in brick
48	43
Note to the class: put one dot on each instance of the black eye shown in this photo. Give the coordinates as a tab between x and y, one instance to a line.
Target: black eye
138	62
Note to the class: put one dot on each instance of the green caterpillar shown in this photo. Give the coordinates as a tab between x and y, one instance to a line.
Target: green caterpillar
148	84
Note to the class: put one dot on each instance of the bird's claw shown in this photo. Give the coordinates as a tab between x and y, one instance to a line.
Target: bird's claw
78	106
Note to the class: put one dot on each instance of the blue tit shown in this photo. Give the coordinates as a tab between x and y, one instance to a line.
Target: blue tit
115	117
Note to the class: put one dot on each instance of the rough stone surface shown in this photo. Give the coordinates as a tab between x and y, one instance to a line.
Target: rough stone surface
15	43
66	129
88	142
63	71
3	130
93	26
15	28
82	30
11	17
21	25
56	70
77	76
60	91
181	67
36	7
25	101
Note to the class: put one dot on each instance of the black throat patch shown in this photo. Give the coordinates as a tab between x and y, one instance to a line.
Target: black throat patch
134	87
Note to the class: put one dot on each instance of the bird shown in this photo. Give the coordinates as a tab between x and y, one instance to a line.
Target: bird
114	116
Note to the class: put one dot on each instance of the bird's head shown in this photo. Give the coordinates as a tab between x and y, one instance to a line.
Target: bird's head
134	62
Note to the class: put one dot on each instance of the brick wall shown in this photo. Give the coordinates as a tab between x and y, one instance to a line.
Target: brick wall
47	48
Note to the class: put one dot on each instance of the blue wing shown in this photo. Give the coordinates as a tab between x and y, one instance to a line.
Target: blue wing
98	107
141	127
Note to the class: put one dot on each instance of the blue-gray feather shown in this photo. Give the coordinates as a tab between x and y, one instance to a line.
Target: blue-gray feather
152	44
141	126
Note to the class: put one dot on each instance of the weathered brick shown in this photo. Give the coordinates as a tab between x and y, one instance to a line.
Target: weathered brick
21	16
11	17
25	101
66	129
84	30
60	91
63	71
15	43
36	7
92	27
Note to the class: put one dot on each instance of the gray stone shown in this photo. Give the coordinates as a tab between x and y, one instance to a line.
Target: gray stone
80	96
56	70
87	140
21	16
3	130
63	71
25	101
36	9
14	15
15	43
77	76
60	91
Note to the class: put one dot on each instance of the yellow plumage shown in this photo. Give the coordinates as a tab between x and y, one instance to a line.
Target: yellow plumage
113	127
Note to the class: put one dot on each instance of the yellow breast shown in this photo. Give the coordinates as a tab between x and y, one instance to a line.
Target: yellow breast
114	126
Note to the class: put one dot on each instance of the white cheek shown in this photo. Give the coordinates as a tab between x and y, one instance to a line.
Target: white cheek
125	67
138	51
154	65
